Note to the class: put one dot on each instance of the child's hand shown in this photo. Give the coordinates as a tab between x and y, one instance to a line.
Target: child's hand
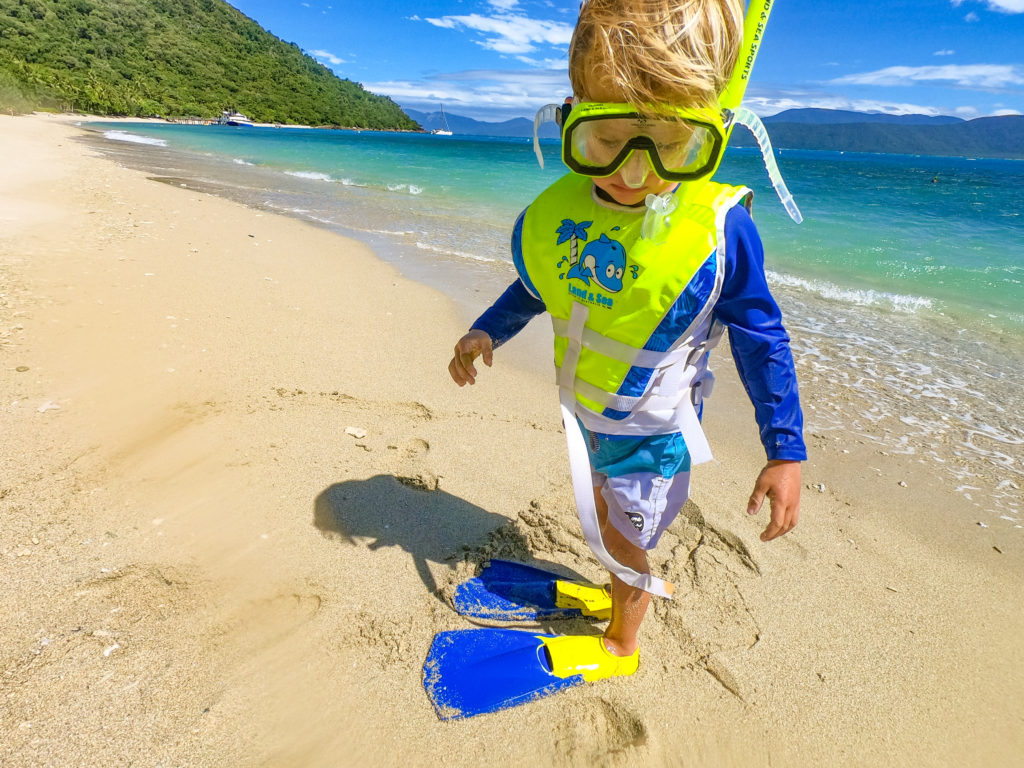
469	348
780	482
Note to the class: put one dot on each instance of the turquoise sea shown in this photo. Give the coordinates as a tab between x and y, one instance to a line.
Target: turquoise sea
903	288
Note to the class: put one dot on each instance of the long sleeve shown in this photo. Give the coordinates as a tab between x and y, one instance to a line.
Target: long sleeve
518	304
509	314
760	344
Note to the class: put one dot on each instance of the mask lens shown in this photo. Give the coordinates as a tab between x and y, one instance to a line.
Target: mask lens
687	150
598	146
597	143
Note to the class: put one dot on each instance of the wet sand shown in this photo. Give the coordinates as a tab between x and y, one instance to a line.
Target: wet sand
202	567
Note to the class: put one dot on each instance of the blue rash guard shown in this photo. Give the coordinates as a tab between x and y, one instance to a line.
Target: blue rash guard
759	342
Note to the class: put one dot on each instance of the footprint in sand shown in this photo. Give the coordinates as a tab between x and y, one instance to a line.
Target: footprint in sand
258	625
598	732
416	447
388	641
709	567
412	470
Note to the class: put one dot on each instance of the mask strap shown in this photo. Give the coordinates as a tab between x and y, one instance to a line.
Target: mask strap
745	117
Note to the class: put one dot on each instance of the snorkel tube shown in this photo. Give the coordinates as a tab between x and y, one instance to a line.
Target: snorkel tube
754	24
660	207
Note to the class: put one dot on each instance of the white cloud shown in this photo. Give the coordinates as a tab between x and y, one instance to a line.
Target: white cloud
947	52
545	63
1000	6
972	16
508	32
504	5
328	56
962	75
1005	112
483	94
503	94
769	105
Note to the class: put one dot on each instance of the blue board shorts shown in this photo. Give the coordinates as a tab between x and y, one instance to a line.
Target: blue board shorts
644	480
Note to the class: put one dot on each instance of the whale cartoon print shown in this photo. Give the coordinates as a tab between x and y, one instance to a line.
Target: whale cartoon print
604	262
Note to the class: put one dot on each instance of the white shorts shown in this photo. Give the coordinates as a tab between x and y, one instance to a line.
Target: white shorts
644	480
643	504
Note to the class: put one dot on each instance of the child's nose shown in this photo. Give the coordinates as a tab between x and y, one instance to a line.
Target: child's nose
634	171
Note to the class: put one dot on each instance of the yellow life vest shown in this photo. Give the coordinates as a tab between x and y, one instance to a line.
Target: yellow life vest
582	256
607	298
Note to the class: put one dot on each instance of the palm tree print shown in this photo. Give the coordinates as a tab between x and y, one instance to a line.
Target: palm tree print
572	232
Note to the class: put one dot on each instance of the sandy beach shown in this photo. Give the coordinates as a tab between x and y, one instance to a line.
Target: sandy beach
237	490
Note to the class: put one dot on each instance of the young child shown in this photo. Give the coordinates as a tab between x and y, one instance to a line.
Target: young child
639	297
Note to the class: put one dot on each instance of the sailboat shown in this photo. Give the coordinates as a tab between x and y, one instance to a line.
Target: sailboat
444	130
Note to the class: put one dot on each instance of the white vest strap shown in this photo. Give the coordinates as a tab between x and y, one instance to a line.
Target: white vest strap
579	464
618	350
668	403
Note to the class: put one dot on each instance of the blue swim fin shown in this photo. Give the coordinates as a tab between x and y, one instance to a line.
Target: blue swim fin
473	671
510	591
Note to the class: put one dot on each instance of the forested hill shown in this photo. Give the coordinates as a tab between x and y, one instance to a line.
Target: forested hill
171	58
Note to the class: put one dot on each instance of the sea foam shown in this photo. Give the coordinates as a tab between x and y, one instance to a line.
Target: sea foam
133	138
449	252
862	297
411	188
312	175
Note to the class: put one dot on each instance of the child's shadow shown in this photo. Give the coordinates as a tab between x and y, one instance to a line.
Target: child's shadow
429	525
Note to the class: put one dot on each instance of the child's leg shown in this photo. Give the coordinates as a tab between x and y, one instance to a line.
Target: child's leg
629	604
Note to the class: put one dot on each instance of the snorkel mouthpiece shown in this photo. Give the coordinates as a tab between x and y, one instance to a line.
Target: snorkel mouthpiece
657	219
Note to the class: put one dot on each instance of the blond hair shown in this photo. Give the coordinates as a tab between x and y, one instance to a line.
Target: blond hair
656	52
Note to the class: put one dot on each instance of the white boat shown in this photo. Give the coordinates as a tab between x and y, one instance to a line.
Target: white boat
444	130
230	117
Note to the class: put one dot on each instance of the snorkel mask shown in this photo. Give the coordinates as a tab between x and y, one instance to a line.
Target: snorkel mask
678	144
681	144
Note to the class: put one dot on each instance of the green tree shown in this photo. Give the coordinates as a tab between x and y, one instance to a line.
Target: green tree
173	58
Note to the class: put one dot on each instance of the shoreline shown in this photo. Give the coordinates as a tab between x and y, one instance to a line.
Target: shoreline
893	391
192	540
875	294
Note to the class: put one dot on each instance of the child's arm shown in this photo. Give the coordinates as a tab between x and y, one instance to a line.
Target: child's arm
503	320
760	348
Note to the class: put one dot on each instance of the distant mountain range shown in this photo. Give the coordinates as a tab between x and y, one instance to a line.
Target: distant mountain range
1001	137
825	129
460	124
844	117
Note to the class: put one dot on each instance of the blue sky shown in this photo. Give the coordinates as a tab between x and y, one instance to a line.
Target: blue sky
497	59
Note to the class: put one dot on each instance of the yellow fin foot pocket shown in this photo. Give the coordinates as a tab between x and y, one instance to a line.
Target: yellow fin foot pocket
593	600
506	590
586	655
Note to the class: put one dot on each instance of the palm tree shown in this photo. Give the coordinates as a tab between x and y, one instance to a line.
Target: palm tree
571	231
